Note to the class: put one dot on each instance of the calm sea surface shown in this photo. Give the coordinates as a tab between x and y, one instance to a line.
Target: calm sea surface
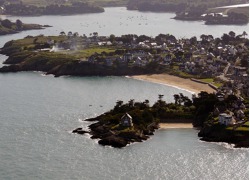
38	112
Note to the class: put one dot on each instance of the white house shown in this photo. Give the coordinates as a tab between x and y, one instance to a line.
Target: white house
225	119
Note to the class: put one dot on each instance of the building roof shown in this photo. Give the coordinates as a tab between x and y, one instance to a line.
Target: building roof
126	115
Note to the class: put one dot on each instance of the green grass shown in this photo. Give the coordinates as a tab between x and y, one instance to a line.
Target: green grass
208	80
246	123
90	51
242	129
211	80
40	39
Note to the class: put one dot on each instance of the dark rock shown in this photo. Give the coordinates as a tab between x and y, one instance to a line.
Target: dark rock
148	132
113	141
95	136
79	131
241	144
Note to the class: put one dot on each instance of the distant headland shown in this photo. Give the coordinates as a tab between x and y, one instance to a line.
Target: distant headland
20	9
8	27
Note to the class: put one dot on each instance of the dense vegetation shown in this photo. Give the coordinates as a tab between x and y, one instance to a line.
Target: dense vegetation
199	111
145	119
52	9
179	5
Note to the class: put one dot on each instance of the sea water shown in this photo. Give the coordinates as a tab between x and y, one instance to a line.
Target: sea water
38	113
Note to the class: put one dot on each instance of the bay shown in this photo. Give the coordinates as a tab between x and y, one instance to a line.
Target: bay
38	112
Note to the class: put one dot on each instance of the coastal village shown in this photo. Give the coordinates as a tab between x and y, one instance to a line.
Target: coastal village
222	63
225	60
124	89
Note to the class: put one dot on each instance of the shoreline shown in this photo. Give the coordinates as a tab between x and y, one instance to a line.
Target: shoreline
175	81
175	125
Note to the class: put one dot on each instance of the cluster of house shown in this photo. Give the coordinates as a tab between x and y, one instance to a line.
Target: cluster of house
232	115
207	60
139	58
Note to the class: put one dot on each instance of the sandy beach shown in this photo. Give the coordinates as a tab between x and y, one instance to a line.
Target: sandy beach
171	80
175	125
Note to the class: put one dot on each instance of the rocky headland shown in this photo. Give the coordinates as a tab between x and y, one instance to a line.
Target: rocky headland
8	27
131	122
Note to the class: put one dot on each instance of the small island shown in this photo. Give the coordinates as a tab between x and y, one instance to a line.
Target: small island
136	121
8	27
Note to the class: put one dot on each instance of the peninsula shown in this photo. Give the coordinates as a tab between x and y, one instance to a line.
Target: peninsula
135	121
19	8
8	27
220	120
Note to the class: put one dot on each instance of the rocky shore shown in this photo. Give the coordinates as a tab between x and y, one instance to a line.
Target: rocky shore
219	134
115	138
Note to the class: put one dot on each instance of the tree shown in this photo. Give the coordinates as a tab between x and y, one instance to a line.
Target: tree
232	34
6	23
70	33
119	103
225	38
76	34
131	103
112	38
193	40
204	37
62	33
210	37
160	97
19	24
244	34
176	98
146	102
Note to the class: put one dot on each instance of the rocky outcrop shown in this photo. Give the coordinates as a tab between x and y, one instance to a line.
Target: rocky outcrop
79	131
218	133
115	138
